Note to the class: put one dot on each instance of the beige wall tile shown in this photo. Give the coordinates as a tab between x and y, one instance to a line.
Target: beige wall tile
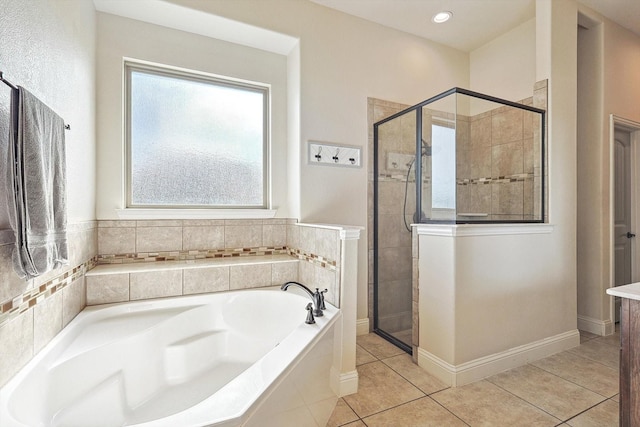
274	235
326	279
74	299
156	239
462	198
107	288
118	223
306	273
480	133
480	162
528	155
293	236
282	272
308	239
507	198
507	126
507	159
203	237
243	236
16	350
155	284
328	244
47	320
249	276
202	280
116	240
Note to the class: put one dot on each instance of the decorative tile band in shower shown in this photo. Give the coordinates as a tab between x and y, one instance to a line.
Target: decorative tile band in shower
30	298
498	180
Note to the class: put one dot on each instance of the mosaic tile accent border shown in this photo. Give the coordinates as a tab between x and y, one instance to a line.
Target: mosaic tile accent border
498	180
30	298
189	255
314	259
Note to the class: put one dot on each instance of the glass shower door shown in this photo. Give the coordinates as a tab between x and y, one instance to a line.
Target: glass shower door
394	211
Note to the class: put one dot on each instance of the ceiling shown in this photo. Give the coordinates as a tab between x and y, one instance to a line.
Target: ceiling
474	22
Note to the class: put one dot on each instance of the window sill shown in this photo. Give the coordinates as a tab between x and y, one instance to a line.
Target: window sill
141	214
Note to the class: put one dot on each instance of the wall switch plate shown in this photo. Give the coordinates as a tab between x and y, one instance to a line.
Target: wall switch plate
328	154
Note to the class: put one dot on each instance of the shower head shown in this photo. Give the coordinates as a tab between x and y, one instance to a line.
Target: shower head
426	148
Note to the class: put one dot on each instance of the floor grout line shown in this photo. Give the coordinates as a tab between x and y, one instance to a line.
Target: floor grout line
431	396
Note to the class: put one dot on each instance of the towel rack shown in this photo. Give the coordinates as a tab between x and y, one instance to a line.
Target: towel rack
14	87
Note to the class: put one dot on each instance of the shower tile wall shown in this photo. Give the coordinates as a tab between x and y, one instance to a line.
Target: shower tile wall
397	147
498	161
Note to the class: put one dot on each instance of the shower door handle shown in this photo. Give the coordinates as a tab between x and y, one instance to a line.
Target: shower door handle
630	235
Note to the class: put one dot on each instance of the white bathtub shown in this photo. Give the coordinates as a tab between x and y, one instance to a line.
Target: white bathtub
224	359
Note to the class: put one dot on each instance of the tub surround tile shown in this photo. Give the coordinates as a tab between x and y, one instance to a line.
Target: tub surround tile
326	279
552	394
483	403
47	321
201	237
74	299
307	242
423	412
159	223
380	388
203	280
306	272
284	272
16	350
116	240
274	235
249	276
154	239
240	236
106	289
155	284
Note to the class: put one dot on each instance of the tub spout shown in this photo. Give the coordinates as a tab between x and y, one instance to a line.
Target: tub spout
317	297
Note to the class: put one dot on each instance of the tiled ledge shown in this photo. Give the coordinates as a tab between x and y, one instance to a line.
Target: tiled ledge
105	269
109	283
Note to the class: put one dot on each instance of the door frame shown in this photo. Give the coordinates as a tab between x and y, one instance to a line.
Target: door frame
616	122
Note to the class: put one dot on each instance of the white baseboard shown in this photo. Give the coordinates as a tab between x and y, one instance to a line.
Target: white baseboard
596	326
362	326
483	367
344	383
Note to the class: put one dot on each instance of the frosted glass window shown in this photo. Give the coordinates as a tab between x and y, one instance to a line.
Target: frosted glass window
443	167
195	142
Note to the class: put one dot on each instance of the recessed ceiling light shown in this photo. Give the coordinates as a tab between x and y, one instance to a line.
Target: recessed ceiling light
441	17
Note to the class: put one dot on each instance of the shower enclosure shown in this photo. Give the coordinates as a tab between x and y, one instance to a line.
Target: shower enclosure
474	158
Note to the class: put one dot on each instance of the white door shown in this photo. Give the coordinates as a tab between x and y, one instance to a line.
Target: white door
622	210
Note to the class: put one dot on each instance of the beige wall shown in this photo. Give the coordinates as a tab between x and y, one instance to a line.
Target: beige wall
506	66
608	85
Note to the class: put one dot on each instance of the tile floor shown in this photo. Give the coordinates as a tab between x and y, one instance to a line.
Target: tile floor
578	387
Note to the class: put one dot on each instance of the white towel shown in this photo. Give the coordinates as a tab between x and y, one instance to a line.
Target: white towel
37	210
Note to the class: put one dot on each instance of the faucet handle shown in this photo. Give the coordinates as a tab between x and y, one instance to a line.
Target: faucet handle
310	320
321	293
